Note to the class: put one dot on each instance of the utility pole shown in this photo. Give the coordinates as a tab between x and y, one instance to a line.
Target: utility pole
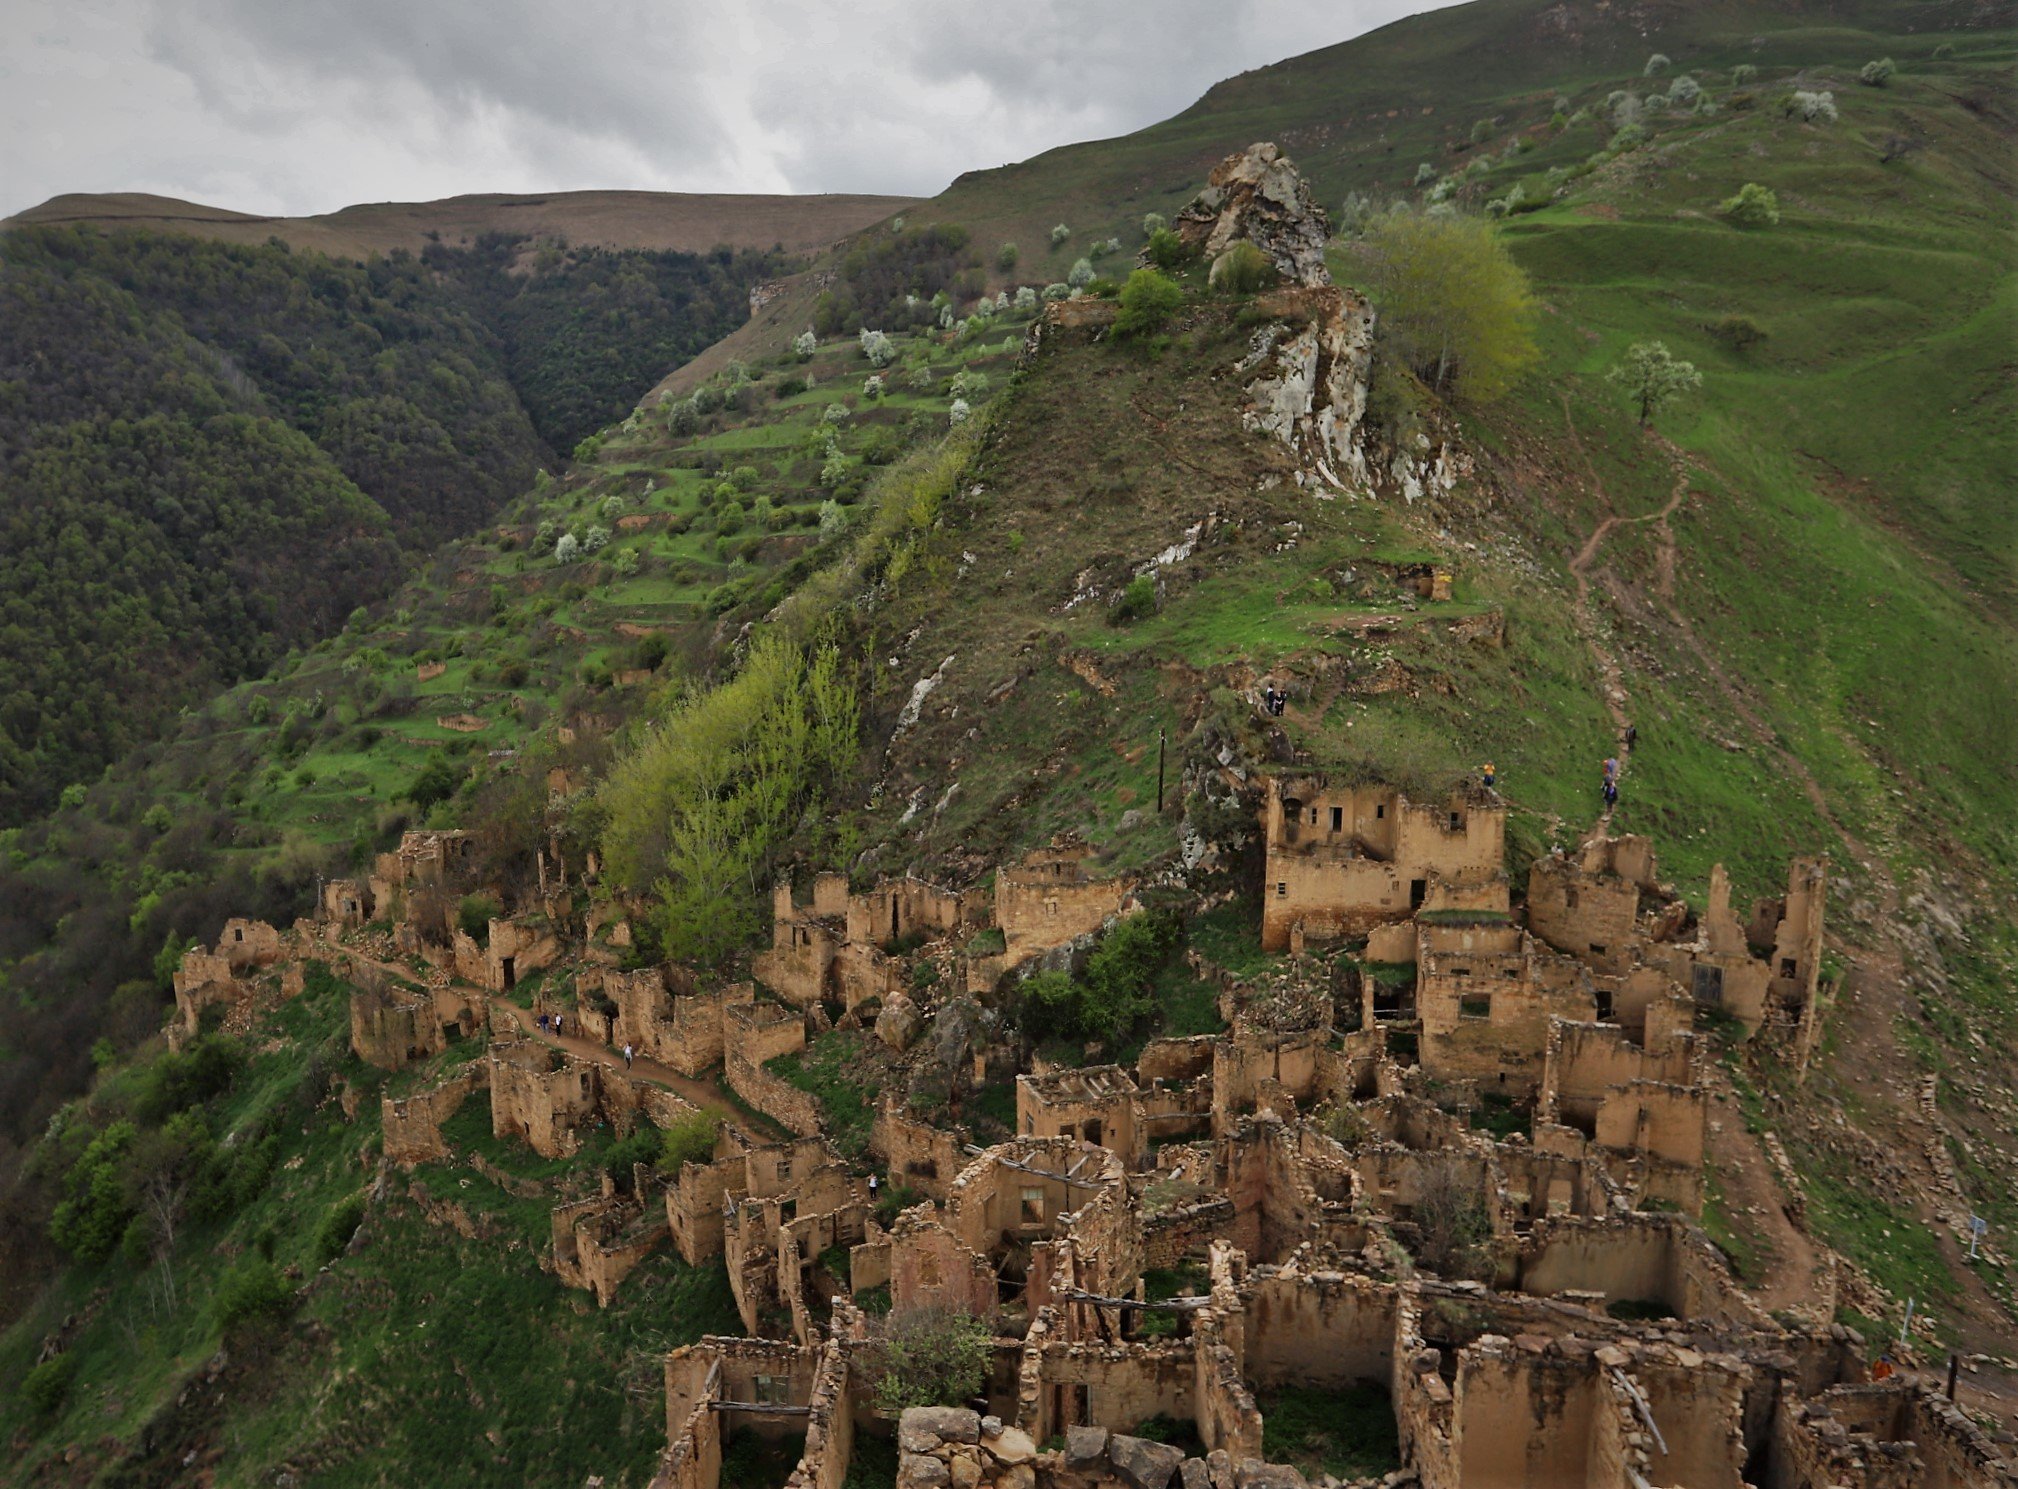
1159	770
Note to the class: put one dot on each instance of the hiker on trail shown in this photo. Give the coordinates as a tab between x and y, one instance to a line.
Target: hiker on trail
557	1025
1883	1369
1488	773
1632	736
1611	793
1611	768
627	1057
543	1023
872	1189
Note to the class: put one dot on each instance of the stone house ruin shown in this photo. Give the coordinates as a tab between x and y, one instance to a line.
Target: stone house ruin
1343	859
1050	899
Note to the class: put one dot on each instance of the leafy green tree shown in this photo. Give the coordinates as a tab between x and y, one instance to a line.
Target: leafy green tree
1005	257
1877	74
930	1357
1653	377
1753	206
1454	306
1166	250
96	1208
249	1295
1137	600
437	780
1081	274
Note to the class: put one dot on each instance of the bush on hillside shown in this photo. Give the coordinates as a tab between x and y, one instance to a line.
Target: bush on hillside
1165	250
339	1224
1877	74
47	1386
250	1294
1005	257
1026	298
1657	64
1684	91
1137	600
1425	173
1454	307
878	348
1738	332
1059	234
1742	74
805	344
1057	291
1153	223
1081	274
1148	300
1809	107
1242	270
567	549
1753	206
958	411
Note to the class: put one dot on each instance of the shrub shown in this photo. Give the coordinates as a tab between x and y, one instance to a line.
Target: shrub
872	386
1810	107
1684	91
1481	131
1653	377
1081	275
1742	74
805	344
1148	300
1026	298
1738	332
691	1139
567	549
339	1224
833	517
958	412
1242	270
836	413
1625	108
930	1357
47	1386
250	1294
1877	74
1137	600
595	540
1753	206
968	383
1055	292
1154	223
1628	139
1657	64
1354	213
1165	249
1005	257
1059	234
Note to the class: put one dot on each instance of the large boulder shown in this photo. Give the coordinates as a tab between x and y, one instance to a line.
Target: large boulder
1257	196
1142	1464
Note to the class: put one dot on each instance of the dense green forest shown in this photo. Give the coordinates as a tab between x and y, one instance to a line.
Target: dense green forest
586	330
211	454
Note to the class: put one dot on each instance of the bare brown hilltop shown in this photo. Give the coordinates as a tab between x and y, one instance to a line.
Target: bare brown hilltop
689	221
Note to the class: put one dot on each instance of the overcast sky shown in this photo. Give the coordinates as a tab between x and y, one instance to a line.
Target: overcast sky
298	106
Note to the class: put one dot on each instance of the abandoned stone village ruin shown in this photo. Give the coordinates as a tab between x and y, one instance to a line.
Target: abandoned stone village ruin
1446	1156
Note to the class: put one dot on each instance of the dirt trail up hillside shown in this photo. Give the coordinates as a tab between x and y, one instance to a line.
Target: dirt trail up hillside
1798	1271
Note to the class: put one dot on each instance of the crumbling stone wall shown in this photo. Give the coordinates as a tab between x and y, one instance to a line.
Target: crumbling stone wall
412	1124
1049	900
599	1242
756	1032
916	1154
1341	860
540	1096
392	1027
1486	995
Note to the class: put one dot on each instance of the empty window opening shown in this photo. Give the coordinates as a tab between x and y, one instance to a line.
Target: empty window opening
1478	1007
511	973
1787	965
1281	890
1418	891
772	1390
1033	1206
238	933
1456	822
1337	819
1597	949
1380	811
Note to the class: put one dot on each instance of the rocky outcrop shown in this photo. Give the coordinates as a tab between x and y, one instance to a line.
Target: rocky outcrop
1307	378
1258	197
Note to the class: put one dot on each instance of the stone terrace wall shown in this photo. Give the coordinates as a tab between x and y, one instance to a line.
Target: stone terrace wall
752	1034
413	1126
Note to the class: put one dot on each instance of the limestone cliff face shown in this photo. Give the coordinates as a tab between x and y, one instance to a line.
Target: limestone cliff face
1306	370
1306	374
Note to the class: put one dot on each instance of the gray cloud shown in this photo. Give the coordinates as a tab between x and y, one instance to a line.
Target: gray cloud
295	108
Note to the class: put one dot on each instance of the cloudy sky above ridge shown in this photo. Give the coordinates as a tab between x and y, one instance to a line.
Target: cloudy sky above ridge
289	107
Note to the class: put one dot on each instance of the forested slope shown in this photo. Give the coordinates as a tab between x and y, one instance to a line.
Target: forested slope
210	454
